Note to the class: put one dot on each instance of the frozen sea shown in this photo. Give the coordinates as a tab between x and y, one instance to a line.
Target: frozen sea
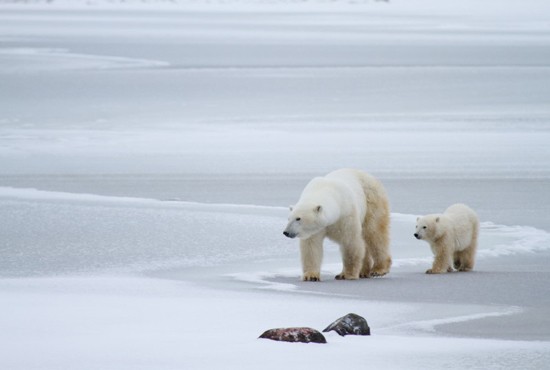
149	152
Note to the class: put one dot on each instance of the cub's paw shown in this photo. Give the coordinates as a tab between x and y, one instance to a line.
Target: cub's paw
432	271
450	269
309	276
378	273
465	268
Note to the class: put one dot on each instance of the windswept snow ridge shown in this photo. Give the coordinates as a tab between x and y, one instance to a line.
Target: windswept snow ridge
430	325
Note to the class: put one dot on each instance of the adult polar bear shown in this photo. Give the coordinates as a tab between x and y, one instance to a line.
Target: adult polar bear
351	208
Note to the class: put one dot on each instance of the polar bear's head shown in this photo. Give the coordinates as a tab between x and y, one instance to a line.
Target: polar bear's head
305	221
427	227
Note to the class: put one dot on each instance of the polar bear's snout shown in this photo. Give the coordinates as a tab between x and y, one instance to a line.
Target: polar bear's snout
417	236
290	235
290	231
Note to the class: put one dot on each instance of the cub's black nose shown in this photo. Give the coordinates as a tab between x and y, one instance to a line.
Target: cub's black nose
416	235
285	233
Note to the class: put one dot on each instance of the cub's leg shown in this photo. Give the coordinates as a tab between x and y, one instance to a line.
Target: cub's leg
456	260
468	256
442	259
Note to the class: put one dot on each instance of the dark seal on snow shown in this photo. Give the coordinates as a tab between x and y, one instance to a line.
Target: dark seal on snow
303	335
351	324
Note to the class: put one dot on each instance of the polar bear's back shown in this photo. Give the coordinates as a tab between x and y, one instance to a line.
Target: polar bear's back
347	191
340	190
349	178
465	224
461	212
368	190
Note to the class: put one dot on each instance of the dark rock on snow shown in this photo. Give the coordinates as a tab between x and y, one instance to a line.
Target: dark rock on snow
303	335
350	324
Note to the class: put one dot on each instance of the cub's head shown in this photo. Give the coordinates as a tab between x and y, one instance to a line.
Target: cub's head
427	227
304	221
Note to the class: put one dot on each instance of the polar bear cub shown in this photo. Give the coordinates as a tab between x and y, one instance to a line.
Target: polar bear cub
452	236
351	208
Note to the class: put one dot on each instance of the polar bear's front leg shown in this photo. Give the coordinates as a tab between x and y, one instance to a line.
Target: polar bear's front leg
311	253
353	254
443	258
367	265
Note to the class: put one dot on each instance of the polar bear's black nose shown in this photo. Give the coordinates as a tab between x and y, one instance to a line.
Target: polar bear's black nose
416	236
285	233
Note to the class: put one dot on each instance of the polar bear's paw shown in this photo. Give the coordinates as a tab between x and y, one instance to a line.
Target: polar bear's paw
378	273
433	271
311	276
344	276
365	274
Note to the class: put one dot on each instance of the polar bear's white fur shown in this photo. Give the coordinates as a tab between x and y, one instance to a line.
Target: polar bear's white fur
452	236
351	208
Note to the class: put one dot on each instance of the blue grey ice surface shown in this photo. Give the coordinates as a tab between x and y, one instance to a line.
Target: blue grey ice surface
148	154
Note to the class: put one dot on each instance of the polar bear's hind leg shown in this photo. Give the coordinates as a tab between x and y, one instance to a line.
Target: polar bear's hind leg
377	240
467	257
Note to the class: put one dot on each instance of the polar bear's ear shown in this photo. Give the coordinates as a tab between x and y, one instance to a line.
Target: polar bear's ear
319	208
291	208
418	218
437	219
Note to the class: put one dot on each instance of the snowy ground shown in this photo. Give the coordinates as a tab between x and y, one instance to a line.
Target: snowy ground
148	153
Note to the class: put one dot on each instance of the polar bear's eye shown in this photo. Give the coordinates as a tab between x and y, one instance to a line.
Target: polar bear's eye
298	219
424	227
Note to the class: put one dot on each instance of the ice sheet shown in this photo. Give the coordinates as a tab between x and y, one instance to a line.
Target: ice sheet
56	233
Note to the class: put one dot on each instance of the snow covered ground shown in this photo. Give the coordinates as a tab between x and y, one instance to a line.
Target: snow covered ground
149	151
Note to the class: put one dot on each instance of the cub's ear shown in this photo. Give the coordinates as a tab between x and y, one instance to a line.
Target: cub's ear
291	208
418	218
318	208
437	219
